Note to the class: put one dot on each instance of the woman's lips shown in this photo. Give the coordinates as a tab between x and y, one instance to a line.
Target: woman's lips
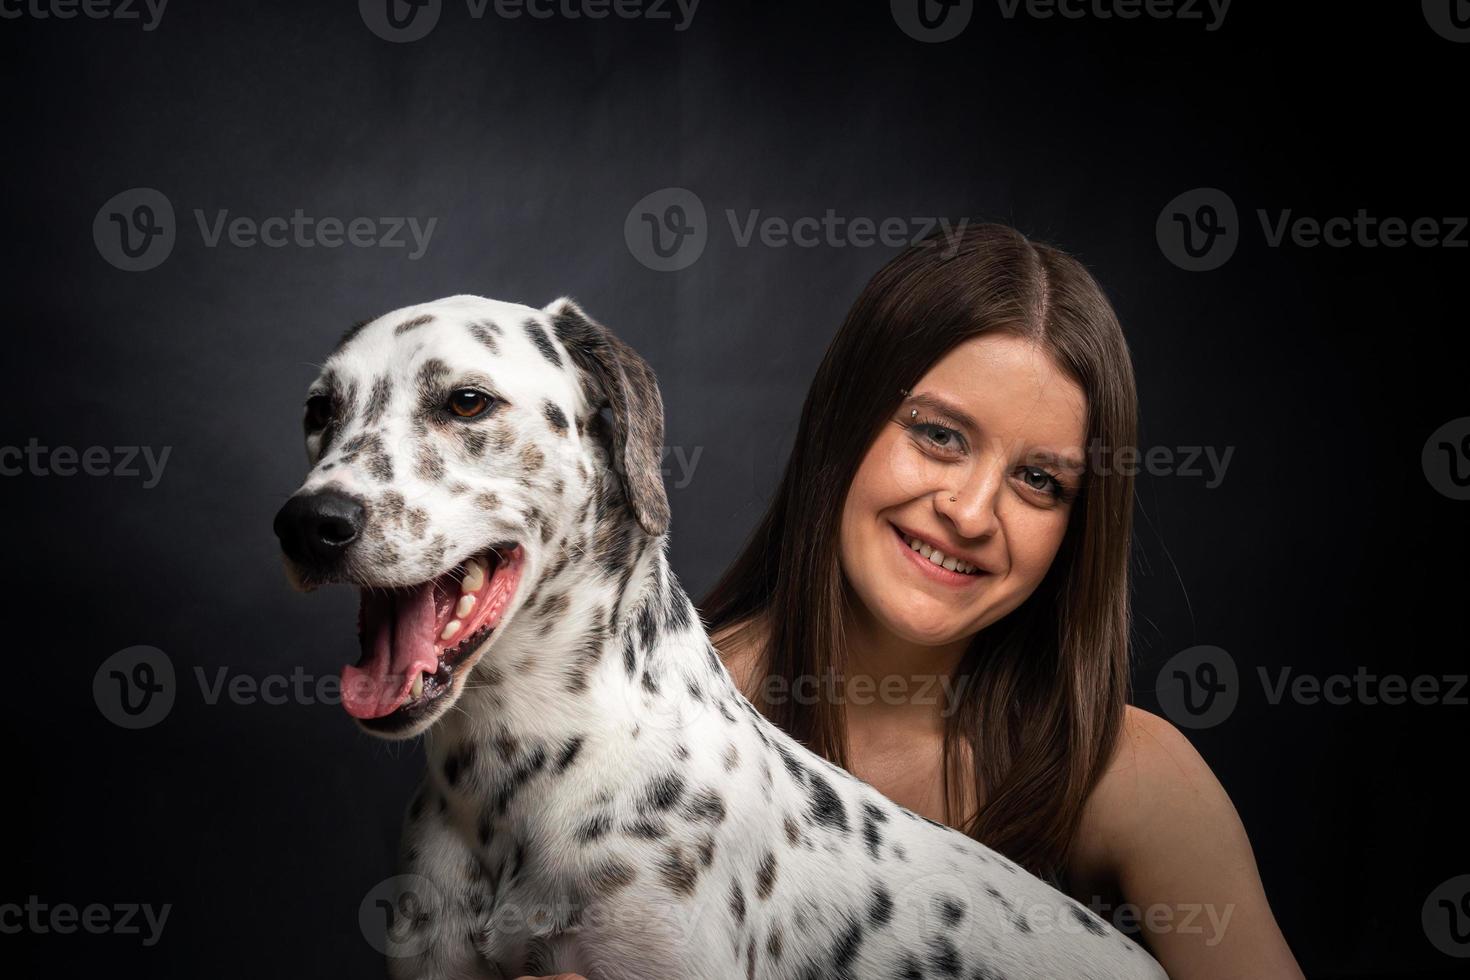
936	573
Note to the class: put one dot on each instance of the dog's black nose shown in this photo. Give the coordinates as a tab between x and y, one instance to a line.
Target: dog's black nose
316	528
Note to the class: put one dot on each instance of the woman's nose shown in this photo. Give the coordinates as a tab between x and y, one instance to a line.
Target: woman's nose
972	505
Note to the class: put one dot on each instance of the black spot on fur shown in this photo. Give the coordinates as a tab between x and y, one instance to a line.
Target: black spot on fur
430	465
543	343
647	829
794	767
944	959
737	903
705	805
951	910
413	324
844	949
555	417
569	753
457	762
483	829
612	875
378	398
765	876
677	871
663	792
773	942
509	785
826	804
880	906
596	827
630	654
1089	921
872	835
647	626
484	332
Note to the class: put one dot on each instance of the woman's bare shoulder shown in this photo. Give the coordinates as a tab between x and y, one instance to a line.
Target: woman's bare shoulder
1155	771
739	646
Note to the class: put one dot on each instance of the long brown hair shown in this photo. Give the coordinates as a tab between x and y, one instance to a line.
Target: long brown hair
1043	690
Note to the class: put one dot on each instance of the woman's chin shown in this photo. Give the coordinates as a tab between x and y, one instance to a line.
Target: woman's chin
928	624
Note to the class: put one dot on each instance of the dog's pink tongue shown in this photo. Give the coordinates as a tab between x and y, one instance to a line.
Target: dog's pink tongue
397	645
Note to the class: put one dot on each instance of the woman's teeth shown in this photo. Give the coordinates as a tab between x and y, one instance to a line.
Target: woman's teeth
940	558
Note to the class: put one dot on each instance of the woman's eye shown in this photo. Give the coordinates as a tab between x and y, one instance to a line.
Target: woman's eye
939	437
318	412
467	402
1039	479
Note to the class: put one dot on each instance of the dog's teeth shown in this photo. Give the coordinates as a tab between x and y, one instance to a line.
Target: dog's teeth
450	628
418	686
466	603
474	577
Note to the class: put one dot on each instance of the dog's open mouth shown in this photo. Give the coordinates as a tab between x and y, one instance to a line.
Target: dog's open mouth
415	638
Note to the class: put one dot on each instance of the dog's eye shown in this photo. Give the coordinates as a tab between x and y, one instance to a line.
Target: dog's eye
467	402
318	412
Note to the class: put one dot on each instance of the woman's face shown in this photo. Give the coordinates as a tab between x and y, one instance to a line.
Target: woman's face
1000	429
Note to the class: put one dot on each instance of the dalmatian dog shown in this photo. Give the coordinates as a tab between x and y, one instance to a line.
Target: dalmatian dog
600	799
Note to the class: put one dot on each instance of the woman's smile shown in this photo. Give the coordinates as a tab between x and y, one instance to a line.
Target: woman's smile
936	564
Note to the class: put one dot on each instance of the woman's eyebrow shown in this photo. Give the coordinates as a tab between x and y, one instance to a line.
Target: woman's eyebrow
944	407
1062	461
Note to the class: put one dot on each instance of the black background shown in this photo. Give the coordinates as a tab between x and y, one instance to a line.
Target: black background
1325	548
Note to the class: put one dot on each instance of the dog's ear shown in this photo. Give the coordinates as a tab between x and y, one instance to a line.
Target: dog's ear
618	377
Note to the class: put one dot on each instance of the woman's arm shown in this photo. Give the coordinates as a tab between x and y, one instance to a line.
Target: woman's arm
1160	826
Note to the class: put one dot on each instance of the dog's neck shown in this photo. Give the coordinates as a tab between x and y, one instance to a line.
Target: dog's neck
606	649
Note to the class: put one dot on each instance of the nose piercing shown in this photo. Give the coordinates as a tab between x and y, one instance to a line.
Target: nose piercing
953	498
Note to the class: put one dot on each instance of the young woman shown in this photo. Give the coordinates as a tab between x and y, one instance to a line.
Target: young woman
950	581
937	598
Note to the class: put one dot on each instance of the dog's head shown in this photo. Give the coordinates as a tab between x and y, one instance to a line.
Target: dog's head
452	446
